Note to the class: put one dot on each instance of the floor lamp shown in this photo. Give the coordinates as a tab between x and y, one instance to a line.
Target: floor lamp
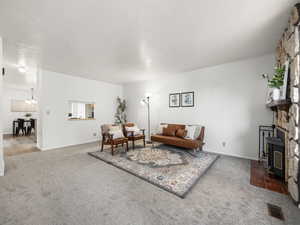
146	101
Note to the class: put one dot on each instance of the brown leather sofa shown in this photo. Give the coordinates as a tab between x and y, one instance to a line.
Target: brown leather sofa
196	143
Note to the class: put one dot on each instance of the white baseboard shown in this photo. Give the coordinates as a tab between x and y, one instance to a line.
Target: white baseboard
68	145
232	155
97	140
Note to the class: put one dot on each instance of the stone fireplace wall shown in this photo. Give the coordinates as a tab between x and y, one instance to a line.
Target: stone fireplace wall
288	49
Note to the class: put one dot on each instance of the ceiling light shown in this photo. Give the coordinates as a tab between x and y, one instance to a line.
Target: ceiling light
22	69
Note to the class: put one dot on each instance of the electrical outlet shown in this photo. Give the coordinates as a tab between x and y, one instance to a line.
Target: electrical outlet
224	144
94	134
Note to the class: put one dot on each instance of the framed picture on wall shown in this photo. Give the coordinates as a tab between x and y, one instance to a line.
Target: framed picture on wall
187	99
174	100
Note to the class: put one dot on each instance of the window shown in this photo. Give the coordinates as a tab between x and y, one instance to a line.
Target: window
81	110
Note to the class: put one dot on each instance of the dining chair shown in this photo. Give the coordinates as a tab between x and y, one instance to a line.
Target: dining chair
31	126
21	127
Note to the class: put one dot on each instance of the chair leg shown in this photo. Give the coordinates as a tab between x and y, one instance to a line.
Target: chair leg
102	144
144	142
112	149
133	145
126	146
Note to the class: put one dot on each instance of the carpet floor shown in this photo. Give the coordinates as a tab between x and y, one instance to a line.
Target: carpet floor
67	186
172	169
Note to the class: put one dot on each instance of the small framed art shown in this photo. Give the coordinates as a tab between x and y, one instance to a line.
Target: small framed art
187	99
174	100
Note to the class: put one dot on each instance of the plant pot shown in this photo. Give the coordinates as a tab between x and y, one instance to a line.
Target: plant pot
276	94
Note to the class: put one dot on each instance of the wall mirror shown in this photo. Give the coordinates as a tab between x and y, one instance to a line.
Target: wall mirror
81	110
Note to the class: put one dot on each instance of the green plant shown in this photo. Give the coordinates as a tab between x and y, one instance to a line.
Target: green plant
277	80
28	115
120	116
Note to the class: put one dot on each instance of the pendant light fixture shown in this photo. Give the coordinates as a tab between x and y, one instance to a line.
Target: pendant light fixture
32	100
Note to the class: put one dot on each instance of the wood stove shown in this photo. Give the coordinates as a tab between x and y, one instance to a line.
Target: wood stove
276	155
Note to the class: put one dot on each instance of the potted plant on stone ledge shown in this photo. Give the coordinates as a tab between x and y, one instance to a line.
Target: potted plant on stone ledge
276	82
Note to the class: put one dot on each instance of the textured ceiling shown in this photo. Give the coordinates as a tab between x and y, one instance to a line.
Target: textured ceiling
124	41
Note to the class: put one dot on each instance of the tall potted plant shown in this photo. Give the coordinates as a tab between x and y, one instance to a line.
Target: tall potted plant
120	116
276	82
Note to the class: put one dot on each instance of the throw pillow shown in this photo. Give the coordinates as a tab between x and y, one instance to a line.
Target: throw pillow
136	130
129	125
160	128
181	133
116	133
176	126
197	131
190	132
168	131
114	127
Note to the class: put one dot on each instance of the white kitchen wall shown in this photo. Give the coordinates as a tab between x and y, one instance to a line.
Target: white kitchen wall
1	113
229	102
55	91
10	93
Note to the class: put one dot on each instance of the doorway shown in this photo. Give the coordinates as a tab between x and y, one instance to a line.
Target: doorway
20	114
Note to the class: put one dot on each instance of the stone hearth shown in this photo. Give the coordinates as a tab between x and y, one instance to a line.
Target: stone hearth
288	119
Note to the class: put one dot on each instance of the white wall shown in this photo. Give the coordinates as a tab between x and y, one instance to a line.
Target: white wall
229	102
10	93
1	113
55	90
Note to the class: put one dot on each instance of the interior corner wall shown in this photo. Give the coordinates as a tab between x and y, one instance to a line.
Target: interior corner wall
1	112
229	101
55	90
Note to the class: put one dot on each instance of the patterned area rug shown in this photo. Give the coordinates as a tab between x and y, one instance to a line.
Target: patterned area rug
172	169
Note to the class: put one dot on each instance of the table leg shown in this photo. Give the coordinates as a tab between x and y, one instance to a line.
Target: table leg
14	127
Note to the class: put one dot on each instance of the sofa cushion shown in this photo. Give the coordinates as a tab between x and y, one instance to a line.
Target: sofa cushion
181	133
169	131
180	142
